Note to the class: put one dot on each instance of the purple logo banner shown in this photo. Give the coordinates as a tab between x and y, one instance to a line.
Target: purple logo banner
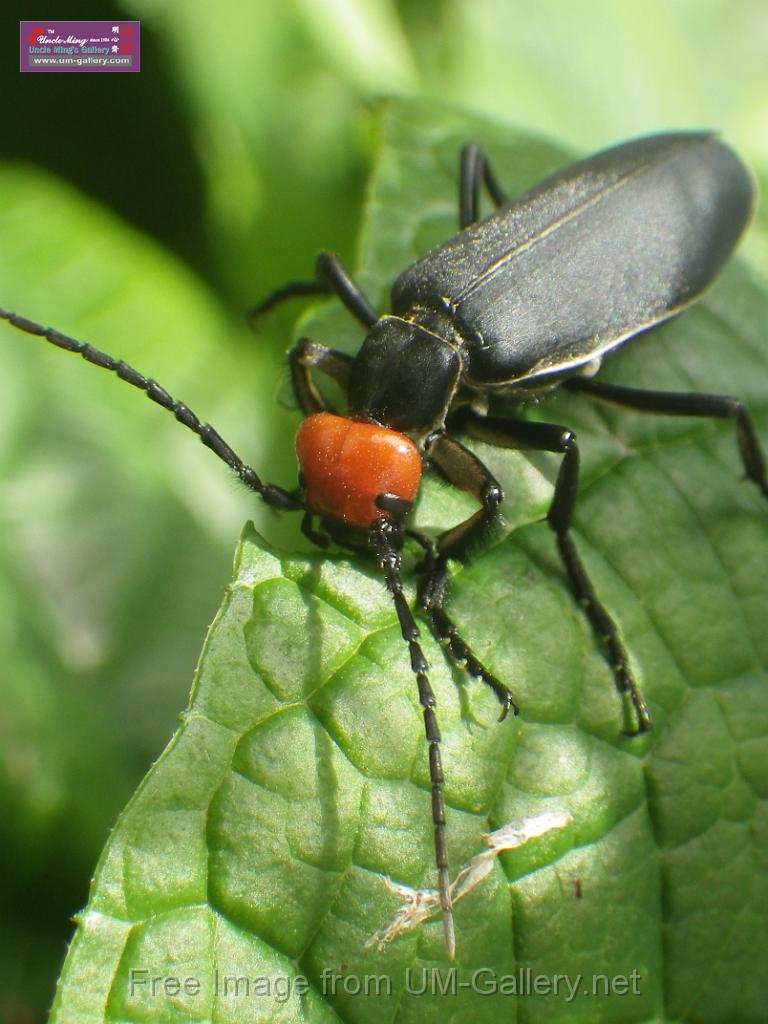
53	45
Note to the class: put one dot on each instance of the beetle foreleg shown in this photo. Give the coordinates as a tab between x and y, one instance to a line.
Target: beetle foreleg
676	403
550	437
383	538
473	169
307	355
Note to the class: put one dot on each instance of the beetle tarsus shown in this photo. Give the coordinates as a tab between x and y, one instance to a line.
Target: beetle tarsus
606	629
432	596
461	654
644	724
507	702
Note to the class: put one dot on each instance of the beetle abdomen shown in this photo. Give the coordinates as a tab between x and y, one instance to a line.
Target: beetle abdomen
594	254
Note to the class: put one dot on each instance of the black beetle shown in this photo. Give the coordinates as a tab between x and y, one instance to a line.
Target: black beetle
514	305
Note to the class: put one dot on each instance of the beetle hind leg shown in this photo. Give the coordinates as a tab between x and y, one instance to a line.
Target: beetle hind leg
675	403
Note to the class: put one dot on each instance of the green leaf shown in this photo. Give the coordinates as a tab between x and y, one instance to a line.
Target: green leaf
74	441
248	874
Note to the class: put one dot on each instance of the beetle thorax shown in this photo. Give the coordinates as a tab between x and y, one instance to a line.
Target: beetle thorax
405	377
347	464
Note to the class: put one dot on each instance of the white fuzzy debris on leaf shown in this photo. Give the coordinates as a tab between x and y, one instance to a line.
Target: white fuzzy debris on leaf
421	904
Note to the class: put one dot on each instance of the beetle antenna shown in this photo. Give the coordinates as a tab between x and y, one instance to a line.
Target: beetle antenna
270	493
387	539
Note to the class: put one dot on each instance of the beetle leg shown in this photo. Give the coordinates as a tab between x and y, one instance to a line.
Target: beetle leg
463	469
307	355
291	290
473	169
322	540
273	495
330	271
675	403
550	437
330	278
385	539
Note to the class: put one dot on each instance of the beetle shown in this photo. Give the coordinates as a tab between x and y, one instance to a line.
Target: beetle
515	305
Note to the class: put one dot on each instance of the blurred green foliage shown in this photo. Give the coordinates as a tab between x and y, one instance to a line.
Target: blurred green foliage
144	212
